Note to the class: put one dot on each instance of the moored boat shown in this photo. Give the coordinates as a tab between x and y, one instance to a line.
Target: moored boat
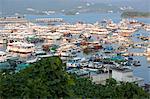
20	47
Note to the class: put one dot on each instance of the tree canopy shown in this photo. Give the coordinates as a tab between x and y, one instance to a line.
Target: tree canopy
48	78
111	90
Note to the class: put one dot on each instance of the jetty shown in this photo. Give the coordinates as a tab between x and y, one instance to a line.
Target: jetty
47	20
11	20
135	54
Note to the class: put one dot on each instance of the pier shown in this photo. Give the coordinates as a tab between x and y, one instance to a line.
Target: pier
135	54
47	20
12	20
141	43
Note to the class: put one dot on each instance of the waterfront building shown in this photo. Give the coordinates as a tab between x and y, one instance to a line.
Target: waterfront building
125	75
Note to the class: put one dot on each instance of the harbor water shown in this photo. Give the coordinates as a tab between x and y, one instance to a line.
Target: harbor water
142	71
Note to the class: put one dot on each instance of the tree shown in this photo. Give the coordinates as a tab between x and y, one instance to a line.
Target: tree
85	88
46	78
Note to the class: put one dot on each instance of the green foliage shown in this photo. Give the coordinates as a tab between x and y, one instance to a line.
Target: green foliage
111	90
133	14
47	79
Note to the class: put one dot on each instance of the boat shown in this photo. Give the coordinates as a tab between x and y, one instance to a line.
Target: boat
52	36
84	62
75	62
146	27
112	26
126	32
21	47
85	35
77	13
148	51
30	9
68	50
3	56
136	63
100	31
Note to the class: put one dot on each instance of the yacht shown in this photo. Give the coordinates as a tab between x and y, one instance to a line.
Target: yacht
112	26
126	32
100	31
51	36
20	47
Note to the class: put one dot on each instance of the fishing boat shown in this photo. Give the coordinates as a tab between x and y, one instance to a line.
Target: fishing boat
136	63
75	62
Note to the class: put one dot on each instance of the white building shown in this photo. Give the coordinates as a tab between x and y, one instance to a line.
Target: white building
125	75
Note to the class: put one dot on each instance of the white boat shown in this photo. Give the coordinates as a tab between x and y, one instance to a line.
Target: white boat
147	27
100	31
3	56
30	9
32	60
126	31
20	47
148	58
86	35
75	62
148	51
52	36
79	7
84	62
112	26
68	53
77	13
110	11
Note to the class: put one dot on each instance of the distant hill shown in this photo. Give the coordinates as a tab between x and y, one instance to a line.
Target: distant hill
131	14
71	6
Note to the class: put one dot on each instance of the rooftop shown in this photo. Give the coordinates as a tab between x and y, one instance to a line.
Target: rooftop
120	69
